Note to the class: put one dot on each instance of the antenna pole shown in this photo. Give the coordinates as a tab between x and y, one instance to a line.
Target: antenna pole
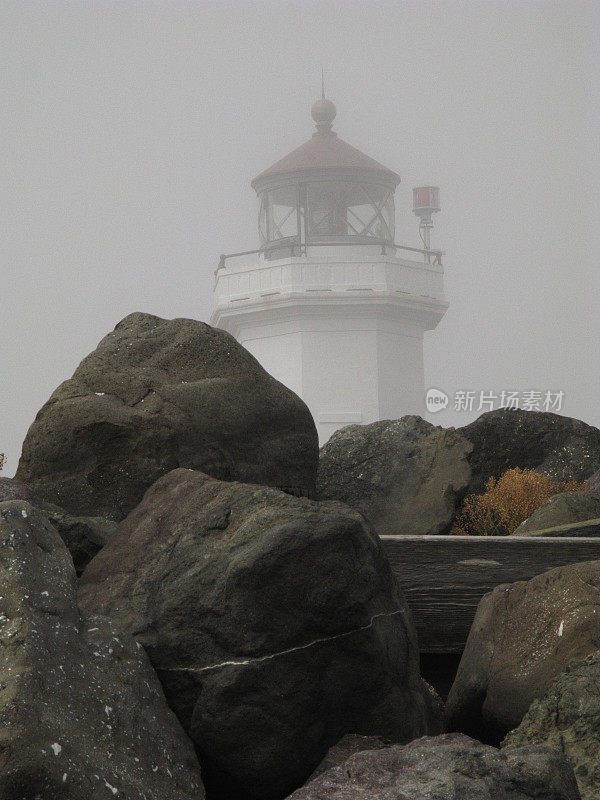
425	230
426	201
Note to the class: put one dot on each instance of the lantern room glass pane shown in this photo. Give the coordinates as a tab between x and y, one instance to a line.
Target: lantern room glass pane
278	217
326	211
350	209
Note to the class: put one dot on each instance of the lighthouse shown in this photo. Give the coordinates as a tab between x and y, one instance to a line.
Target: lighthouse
328	303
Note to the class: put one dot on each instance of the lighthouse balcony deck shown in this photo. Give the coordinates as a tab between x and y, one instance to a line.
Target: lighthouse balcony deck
328	270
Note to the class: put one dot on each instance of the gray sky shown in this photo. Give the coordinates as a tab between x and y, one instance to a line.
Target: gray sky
131	131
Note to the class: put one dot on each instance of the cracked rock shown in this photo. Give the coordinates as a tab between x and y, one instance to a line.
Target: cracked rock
274	623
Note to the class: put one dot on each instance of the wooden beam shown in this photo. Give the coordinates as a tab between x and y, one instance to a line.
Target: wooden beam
444	577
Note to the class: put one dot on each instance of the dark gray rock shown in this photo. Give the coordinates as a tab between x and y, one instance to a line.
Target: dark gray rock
83	536
274	623
449	767
10	489
568	718
158	394
348	745
561	509
409	477
594	483
406	476
82	713
524	634
562	448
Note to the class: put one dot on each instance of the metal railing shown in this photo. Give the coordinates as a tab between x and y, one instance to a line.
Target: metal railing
300	248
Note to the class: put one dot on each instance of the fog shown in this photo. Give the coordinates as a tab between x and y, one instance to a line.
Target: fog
131	131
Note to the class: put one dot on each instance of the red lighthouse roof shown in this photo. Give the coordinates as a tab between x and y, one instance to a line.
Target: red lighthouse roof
326	151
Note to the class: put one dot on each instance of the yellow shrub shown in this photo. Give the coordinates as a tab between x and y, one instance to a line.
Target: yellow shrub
507	502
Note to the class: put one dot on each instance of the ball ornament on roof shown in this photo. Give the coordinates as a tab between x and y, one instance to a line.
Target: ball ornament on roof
323	112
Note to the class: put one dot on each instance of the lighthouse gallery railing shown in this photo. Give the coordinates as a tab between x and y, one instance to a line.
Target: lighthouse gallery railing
299	249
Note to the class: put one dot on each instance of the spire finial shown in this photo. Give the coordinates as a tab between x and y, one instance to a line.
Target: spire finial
323	111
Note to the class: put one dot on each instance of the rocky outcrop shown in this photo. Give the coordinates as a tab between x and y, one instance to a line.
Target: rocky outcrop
523	636
274	623
561	509
562	448
406	476
158	394
82	713
568	718
446	767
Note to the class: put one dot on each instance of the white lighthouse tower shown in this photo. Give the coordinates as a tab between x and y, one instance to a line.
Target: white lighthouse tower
329	304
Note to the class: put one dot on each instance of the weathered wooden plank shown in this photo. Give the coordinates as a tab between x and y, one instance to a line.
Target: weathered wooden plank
444	577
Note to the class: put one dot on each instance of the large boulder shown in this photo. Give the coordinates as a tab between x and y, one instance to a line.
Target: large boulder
406	476
82	714
561	509
158	394
562	448
274	623
524	634
448	767
568	718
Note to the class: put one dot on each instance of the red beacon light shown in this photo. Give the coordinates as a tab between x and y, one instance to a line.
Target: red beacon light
426	201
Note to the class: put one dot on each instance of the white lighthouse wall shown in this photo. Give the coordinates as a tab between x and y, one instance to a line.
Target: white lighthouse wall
348	367
339	377
361	369
400	374
281	356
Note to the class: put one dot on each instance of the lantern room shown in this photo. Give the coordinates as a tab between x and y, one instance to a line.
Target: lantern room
325	192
